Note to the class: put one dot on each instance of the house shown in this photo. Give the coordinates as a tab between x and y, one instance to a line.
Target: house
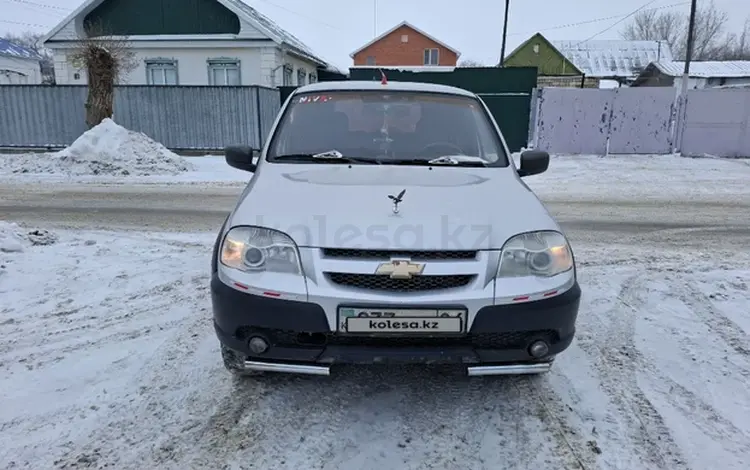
203	42
19	65
405	45
586	63
703	74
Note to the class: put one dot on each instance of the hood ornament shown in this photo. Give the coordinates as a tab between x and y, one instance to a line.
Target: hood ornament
397	200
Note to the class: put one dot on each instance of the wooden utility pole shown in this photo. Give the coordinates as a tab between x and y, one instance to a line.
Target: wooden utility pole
505	33
685	78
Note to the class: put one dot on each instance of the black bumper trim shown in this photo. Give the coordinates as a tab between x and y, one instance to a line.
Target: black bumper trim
238	315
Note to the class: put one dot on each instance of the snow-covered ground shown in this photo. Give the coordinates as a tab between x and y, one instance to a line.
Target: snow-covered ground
109	360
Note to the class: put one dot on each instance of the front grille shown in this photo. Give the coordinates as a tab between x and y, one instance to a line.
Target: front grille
507	340
385	283
352	253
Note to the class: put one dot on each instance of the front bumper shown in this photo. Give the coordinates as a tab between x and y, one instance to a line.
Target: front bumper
300	337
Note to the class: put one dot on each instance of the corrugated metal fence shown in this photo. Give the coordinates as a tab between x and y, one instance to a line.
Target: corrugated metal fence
180	117
641	120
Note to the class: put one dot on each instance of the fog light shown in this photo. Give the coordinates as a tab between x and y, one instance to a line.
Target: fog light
258	345
539	348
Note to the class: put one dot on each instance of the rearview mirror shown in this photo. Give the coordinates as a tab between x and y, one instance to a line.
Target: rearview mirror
241	157
533	162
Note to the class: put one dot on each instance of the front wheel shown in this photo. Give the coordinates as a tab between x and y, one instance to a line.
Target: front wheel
233	362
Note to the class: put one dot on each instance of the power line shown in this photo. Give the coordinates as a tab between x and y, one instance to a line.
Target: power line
596	20
41	5
634	12
33	25
302	15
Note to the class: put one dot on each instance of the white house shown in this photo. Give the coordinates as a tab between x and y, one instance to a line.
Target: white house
203	42
703	74
19	65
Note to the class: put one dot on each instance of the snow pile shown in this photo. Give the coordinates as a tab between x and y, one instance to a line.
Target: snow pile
107	149
13	238
10	238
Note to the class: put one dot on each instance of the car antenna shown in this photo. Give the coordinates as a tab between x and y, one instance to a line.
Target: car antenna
383	78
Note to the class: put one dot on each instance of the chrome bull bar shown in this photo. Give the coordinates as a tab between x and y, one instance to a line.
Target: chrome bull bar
473	371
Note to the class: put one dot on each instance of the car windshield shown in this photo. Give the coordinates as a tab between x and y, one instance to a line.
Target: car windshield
387	127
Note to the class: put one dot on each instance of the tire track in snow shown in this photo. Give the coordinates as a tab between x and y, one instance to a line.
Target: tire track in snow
372	418
704	416
617	365
569	441
152	414
734	336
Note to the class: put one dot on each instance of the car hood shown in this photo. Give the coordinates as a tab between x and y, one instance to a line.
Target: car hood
321	205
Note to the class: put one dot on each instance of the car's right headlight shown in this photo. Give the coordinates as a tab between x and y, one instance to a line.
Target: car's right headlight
544	254
260	249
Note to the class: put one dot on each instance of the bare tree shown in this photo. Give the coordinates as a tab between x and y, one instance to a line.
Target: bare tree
30	40
470	63
738	45
710	37
106	59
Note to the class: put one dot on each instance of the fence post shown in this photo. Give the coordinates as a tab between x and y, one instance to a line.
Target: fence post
258	118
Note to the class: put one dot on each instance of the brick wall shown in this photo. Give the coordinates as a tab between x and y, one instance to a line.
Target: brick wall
392	51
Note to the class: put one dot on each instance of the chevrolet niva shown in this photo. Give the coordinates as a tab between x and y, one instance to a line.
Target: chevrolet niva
388	223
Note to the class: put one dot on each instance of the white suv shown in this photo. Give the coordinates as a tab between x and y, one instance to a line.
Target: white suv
388	223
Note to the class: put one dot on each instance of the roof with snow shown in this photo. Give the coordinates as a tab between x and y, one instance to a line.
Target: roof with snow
10	49
613	58
706	69
283	35
241	9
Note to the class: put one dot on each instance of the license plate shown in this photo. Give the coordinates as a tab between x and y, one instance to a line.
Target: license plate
385	320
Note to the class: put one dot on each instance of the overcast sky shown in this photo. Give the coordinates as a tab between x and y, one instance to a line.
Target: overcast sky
335	28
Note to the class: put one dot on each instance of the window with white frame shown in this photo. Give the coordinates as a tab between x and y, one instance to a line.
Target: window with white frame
431	57
370	60
288	75
161	72
301	76
313	78
224	72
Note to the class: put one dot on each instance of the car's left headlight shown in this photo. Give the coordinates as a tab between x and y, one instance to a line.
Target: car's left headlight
259	249
543	254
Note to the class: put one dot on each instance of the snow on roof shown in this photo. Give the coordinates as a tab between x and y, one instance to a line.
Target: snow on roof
613	58
283	35
239	7
707	69
10	49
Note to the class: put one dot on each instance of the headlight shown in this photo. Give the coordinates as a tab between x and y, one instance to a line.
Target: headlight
543	254
257	249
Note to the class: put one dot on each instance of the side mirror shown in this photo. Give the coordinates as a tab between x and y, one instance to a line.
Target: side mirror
241	157
533	162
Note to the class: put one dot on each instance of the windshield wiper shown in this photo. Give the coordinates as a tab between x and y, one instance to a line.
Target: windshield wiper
457	160
331	155
460	160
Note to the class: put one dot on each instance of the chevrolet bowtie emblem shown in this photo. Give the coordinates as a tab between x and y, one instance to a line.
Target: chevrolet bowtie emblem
400	269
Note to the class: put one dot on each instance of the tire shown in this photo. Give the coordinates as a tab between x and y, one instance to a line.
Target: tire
233	363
